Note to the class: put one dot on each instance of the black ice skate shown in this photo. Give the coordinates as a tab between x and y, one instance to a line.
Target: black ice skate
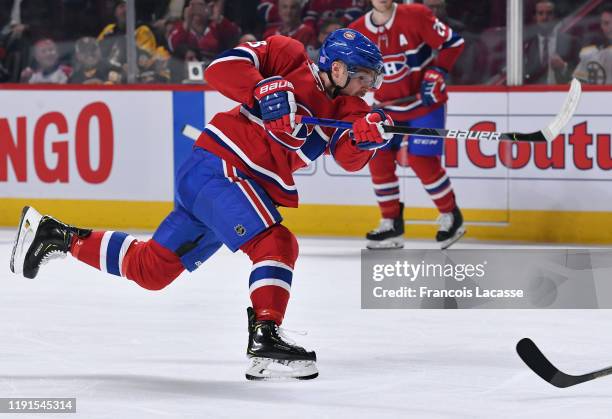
273	358
451	228
389	234
40	239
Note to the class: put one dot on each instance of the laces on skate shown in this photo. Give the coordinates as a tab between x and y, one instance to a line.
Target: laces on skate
451	228
445	220
385	224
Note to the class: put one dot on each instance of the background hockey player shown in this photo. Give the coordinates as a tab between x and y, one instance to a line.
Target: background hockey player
240	170
419	51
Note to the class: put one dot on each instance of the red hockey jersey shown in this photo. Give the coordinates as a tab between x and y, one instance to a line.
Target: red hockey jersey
238	136
211	42
410	41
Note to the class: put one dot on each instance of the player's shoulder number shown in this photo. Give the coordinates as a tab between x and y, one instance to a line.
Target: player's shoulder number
257	44
439	27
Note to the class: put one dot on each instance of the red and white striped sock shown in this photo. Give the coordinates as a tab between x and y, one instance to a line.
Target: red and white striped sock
104	250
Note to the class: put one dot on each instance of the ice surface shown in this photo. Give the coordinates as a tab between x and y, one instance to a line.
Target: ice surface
125	352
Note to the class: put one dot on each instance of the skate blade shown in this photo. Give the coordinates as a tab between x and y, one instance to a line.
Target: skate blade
394	243
30	219
449	242
267	369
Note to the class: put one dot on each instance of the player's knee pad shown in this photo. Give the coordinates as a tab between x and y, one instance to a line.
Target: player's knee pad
151	265
276	243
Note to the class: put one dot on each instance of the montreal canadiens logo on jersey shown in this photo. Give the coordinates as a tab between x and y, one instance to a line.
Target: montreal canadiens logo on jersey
302	131
395	67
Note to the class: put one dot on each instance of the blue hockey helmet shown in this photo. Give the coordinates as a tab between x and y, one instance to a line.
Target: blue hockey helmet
354	50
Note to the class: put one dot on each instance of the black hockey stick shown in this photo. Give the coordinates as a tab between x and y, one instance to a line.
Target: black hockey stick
548	133
535	359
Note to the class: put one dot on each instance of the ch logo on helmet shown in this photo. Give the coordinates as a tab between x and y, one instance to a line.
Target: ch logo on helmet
240	230
349	35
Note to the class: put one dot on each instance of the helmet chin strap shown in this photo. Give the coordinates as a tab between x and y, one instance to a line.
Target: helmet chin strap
336	88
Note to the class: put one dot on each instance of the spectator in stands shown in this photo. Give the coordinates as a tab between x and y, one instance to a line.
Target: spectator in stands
14	51
46	68
113	42
204	27
163	28
267	12
89	66
230	31
290	12
24	21
595	65
550	55
325	28
345	11
153	68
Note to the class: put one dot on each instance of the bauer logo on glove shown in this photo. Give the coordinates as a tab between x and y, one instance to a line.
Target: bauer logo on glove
277	104
274	86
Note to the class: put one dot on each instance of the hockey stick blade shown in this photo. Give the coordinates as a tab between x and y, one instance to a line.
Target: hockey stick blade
538	363
566	113
191	132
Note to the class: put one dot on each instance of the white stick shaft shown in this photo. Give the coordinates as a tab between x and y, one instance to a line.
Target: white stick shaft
191	132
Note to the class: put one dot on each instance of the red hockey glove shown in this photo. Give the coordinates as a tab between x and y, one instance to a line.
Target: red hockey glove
433	86
277	103
368	132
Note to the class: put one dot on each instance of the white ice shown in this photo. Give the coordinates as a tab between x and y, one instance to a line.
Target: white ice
125	352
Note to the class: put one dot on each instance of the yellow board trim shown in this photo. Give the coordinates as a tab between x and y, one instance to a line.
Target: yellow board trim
514	225
338	220
128	215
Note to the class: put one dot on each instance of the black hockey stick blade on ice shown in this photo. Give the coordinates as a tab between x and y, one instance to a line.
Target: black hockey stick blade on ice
549	133
535	359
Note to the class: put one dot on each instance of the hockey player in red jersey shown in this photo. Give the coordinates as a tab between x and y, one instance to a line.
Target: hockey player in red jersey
240	170
419	51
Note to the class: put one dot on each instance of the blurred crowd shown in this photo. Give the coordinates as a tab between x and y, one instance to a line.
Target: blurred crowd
84	42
